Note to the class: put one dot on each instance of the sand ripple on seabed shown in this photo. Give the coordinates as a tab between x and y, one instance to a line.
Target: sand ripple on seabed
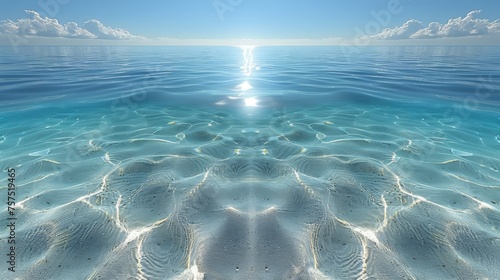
334	194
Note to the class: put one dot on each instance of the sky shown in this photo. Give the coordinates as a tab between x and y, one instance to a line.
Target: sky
249	21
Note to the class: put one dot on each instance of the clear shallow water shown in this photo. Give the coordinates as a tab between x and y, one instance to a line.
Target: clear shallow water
265	163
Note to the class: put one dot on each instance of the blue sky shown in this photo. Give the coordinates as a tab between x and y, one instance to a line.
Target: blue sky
250	19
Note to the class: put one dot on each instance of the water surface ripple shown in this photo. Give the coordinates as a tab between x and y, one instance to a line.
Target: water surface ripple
252	163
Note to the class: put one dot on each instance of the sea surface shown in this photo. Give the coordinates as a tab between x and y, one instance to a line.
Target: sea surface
250	162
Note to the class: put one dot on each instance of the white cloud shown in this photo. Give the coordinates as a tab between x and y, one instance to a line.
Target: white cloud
8	27
494	27
401	32
49	27
76	32
457	27
105	32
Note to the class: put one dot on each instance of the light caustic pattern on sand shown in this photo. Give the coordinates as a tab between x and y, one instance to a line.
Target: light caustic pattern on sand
343	193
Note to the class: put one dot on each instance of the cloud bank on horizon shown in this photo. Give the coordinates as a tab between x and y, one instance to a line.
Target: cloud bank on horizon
457	27
36	25
50	27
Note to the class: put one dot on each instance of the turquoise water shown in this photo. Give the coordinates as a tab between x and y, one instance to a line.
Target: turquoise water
252	163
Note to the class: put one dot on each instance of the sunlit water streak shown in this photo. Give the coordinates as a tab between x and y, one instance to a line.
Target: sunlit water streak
253	162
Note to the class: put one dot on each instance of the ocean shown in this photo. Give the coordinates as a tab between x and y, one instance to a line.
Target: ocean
124	162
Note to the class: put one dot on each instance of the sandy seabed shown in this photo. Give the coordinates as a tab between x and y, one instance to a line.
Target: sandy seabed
324	193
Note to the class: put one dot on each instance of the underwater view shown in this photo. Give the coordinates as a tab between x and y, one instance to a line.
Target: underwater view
251	162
